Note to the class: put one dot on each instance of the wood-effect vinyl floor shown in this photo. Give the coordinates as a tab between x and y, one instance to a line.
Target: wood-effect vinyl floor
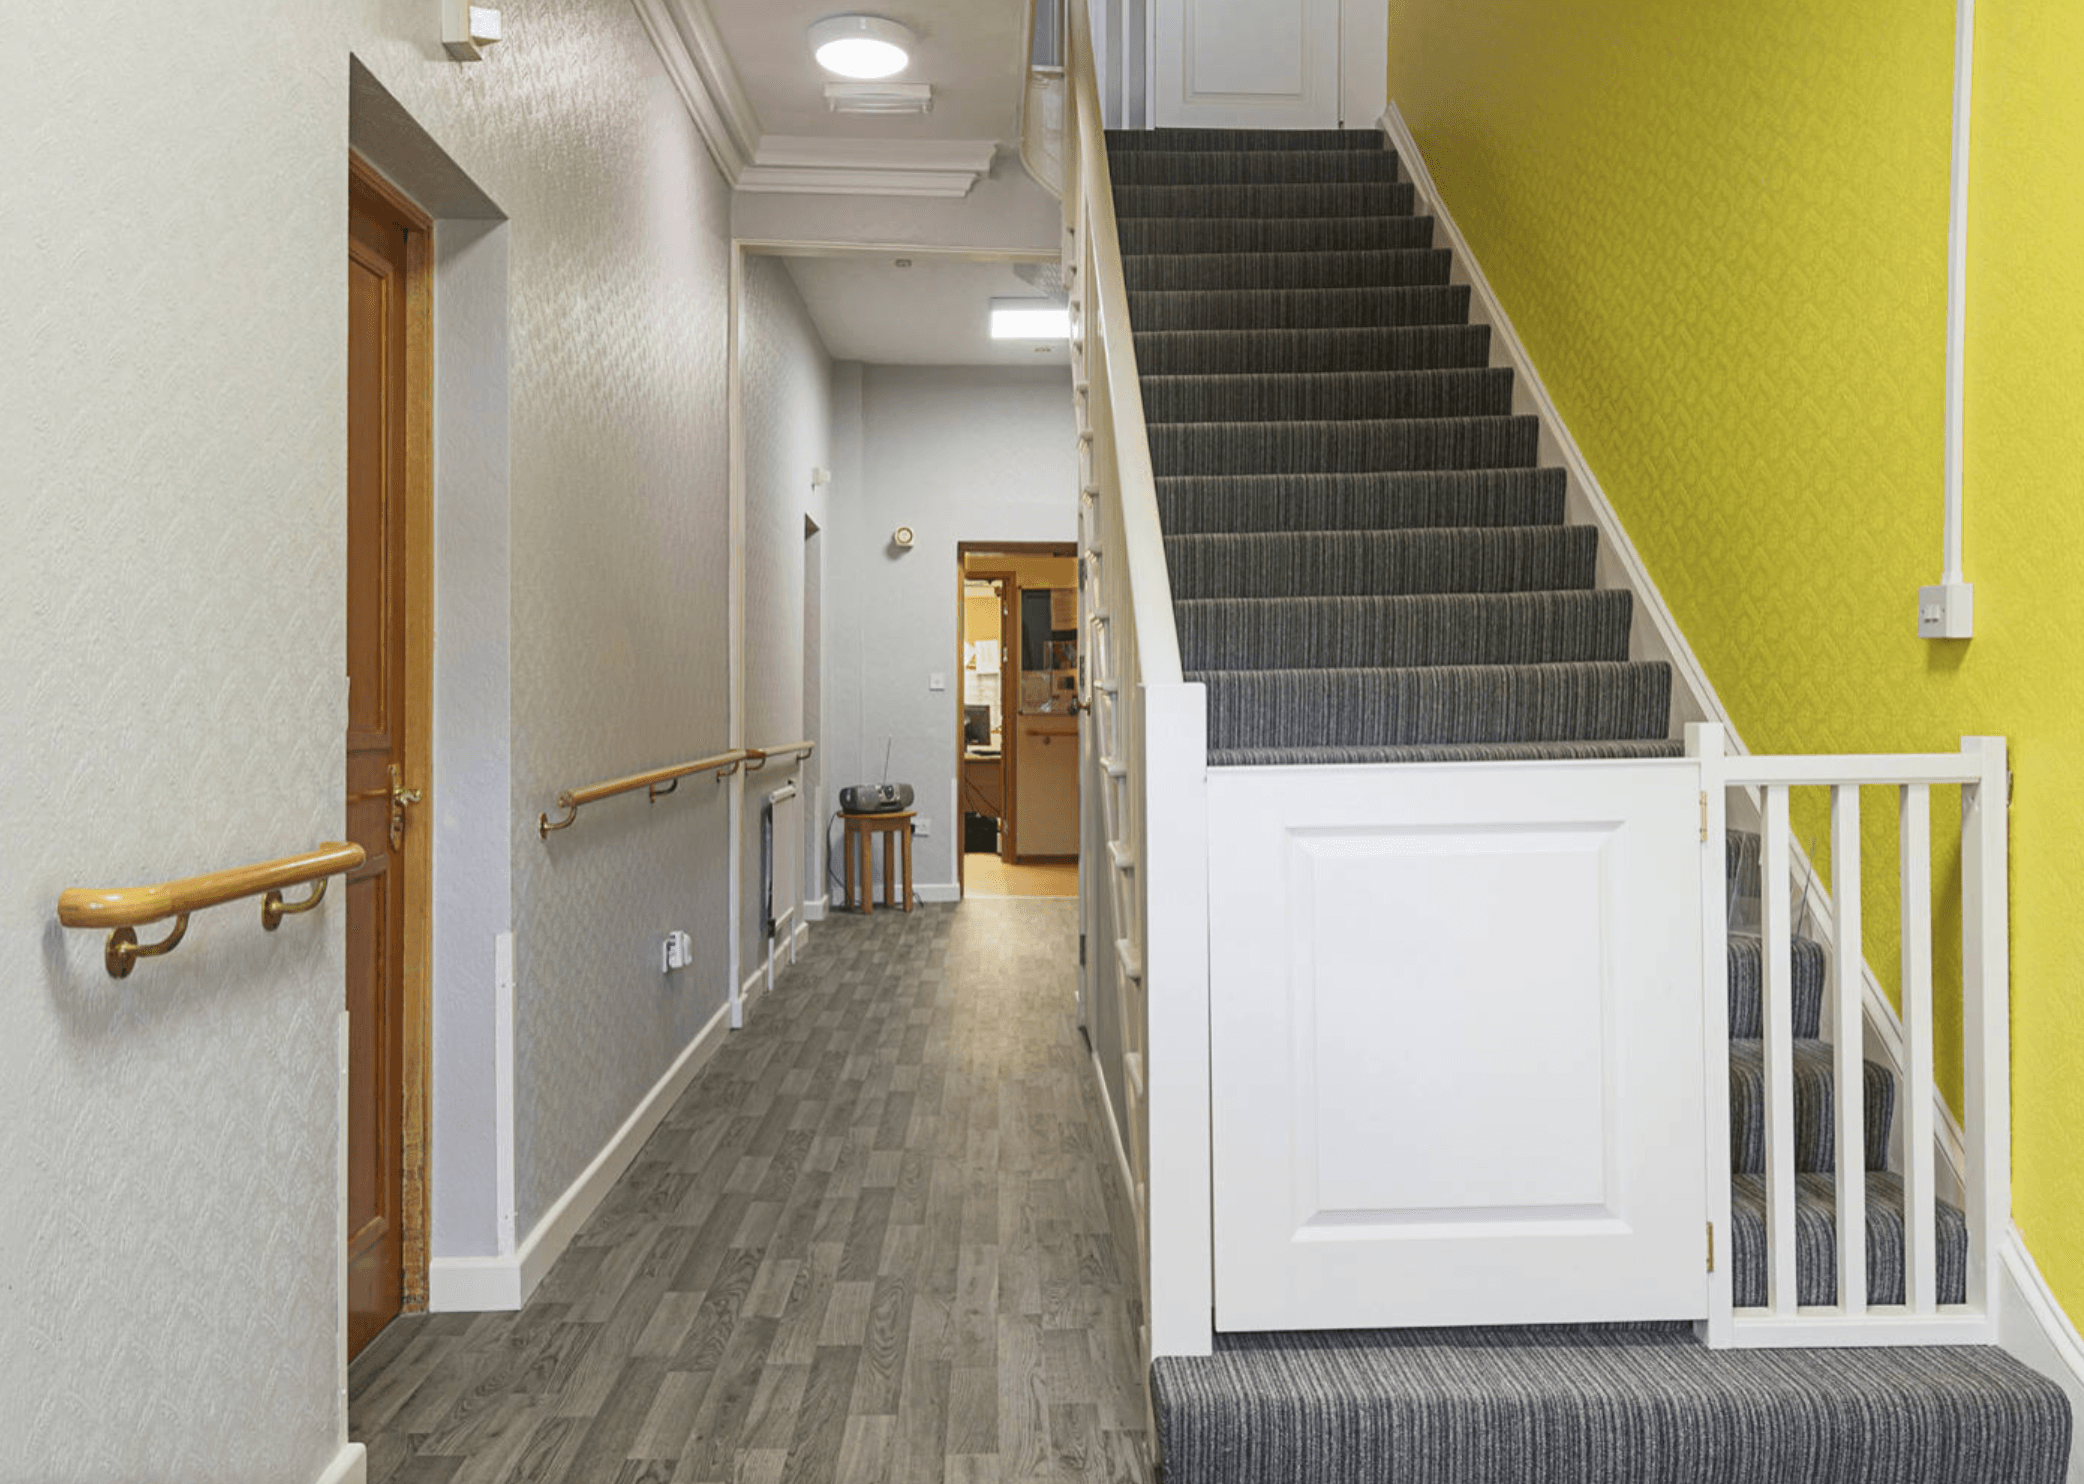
880	1240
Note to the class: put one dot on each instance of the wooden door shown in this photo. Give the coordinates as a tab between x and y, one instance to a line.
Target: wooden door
1247	64
383	260
1456	1018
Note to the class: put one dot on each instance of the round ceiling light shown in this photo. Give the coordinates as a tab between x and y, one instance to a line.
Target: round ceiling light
861	46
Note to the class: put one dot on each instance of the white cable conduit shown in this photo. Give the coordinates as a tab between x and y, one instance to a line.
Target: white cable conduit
1948	610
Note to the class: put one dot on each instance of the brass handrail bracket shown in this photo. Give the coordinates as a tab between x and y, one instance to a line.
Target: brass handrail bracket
274	909
124	950
123	910
544	823
658	793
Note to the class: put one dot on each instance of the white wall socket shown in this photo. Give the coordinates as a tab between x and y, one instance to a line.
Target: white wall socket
936	680
1947	611
923	825
677	953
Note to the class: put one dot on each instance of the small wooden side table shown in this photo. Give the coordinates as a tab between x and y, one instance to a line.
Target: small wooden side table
896	830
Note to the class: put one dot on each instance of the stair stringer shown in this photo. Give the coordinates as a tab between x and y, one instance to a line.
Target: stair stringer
1656	636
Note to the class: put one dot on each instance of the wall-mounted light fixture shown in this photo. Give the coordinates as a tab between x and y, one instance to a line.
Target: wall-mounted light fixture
901	538
862	46
467	30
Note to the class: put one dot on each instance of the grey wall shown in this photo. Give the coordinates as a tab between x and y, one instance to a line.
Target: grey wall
788	432
958	453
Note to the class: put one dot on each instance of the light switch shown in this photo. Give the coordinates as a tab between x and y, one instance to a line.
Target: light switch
937	680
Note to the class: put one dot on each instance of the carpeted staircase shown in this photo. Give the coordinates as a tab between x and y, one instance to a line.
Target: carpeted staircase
1369	565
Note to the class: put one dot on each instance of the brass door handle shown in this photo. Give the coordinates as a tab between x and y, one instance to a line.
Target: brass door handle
401	798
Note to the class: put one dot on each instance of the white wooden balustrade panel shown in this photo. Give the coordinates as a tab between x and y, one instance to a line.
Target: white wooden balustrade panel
1455	1033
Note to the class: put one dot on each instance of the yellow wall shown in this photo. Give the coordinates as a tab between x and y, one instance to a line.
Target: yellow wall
1721	230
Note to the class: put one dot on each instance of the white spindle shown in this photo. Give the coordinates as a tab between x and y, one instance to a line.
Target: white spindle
1921	1282
1985	997
1777	1023
1849	1071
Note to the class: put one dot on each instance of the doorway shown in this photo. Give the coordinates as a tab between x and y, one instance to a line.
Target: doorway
1017	717
389	666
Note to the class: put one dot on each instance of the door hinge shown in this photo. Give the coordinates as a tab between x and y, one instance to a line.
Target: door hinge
1711	1246
1704	816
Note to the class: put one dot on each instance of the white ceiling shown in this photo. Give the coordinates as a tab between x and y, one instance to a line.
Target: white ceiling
934	313
974	52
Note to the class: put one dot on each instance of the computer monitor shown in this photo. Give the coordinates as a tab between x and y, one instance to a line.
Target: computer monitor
976	726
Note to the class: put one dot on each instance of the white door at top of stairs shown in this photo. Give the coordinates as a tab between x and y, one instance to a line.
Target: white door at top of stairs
1246	64
1456	1041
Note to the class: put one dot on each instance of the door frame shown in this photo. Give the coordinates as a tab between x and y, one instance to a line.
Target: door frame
415	997
1009	636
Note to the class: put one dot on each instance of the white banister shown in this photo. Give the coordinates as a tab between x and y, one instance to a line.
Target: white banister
1849	1067
1777	1026
1920	1261
1986	1102
1143	756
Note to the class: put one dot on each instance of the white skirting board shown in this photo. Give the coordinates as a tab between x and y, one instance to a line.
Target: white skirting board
815	909
2032	1327
349	1466
471	1284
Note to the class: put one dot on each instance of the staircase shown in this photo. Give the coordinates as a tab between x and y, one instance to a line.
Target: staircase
1369	566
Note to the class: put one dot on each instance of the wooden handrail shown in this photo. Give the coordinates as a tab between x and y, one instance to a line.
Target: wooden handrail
724	764
123	909
758	757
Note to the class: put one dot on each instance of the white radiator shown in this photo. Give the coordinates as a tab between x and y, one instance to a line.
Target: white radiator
781	861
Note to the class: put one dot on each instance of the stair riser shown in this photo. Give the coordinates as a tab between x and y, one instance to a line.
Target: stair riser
1441	752
1343	447
1403	633
1815	1135
1299	309
1382	564
1340	396
1274	234
1816	1243
1157	167
1406	707
1140	141
1198	272
1239	504
1746	968
1374	198
1311	352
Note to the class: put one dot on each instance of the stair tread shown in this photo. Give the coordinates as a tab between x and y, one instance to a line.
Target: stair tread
1428	499
1177	272
1252	167
1619	1404
1126	141
1150	234
1316	198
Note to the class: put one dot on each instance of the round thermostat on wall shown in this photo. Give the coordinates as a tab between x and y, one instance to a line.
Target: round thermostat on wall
902	537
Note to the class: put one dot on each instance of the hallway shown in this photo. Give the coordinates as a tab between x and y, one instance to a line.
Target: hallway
873	1242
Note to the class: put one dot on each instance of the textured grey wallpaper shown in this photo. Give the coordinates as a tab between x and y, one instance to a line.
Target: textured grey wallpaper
619	300
172	408
788	431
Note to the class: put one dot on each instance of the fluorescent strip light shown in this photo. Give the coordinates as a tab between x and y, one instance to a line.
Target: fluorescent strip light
1030	319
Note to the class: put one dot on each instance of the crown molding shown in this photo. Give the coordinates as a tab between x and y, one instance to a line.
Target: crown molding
796	165
685	36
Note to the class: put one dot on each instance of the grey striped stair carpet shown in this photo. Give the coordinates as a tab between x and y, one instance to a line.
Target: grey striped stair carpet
1370	566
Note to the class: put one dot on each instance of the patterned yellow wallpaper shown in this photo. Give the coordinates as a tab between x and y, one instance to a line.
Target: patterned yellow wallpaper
1722	232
